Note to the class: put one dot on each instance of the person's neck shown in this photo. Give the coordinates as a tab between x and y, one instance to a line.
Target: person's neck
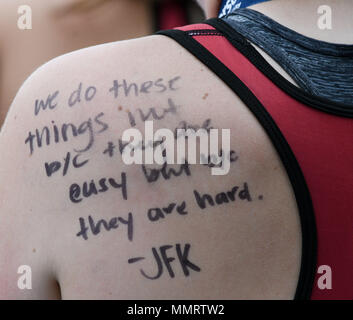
303	16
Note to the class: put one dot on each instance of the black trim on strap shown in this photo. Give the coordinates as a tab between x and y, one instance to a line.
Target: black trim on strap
301	191
244	46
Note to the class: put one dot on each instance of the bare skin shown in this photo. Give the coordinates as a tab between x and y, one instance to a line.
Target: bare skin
56	32
243	249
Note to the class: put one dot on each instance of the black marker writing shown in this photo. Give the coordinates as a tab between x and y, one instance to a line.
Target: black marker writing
52	167
152	113
162	259
110	149
141	145
155	214
203	200
76	95
76	193
67	131
206	125
166	172
49	103
212	159
113	223
127	89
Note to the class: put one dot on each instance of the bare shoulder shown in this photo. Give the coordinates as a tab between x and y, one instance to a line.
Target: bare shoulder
77	212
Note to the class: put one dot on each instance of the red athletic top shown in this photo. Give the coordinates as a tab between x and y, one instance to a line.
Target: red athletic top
314	139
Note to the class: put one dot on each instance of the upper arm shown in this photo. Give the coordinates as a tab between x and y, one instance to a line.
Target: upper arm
73	210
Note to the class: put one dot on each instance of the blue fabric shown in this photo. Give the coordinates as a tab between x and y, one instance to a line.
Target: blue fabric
228	6
321	68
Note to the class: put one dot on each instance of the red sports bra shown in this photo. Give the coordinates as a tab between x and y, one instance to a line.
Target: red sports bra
314	139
